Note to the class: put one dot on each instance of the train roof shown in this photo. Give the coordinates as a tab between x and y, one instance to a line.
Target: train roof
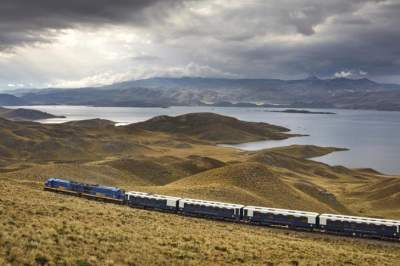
211	203
281	211
359	219
115	189
109	188
151	196
58	179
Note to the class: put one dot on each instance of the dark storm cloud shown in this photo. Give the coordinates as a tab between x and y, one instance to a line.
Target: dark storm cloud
250	38
259	41
30	21
370	44
375	51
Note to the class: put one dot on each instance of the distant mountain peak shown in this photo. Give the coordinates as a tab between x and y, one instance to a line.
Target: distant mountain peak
312	77
367	80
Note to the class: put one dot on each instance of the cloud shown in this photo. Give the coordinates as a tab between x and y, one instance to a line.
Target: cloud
99	41
91	81
110	77
343	74
145	58
26	22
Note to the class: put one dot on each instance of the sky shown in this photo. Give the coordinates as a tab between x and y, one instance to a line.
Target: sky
75	43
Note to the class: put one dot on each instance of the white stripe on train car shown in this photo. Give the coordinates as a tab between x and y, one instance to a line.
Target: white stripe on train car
136	194
209	204
311	216
171	201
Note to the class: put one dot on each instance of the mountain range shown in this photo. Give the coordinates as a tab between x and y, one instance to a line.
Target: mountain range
163	92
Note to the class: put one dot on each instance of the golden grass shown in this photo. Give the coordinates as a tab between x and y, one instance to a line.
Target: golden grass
39	227
255	184
268	178
215	128
304	152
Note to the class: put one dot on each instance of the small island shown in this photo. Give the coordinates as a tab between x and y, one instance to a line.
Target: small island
298	111
21	114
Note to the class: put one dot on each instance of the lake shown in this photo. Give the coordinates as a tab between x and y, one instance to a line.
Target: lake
372	136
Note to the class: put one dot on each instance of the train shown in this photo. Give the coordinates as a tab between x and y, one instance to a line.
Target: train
292	219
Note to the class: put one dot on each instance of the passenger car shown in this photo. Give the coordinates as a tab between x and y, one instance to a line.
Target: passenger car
146	200
273	216
359	226
211	209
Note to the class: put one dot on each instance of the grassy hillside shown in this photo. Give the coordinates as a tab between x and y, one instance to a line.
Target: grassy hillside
382	196
215	128
166	169
303	152
43	227
95	139
149	158
40	228
77	141
247	183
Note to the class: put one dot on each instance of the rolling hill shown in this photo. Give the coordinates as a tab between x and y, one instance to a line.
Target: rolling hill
21	114
248	183
382	196
179	155
95	139
42	227
215	128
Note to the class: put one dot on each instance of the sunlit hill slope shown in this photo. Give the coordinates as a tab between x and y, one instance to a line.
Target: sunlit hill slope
177	156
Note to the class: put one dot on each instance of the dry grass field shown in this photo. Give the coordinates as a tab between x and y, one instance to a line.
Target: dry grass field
44	228
40	228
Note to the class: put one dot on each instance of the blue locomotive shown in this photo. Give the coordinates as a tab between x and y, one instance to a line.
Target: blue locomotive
85	190
293	219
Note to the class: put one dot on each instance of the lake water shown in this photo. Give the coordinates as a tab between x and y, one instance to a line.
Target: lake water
373	137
